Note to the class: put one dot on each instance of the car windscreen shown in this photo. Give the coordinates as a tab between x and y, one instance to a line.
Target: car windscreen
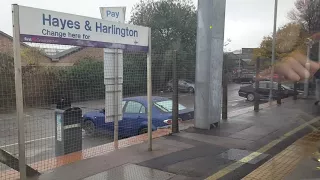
286	87
188	81
166	106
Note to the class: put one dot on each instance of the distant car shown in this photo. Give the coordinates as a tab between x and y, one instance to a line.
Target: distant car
135	117
183	85
264	91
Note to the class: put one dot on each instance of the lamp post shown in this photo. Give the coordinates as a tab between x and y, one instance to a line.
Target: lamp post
306	80
273	47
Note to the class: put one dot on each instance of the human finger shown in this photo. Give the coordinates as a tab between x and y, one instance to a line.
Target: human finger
302	59
286	70
298	68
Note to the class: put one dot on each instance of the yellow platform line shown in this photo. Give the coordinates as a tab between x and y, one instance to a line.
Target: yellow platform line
260	151
283	163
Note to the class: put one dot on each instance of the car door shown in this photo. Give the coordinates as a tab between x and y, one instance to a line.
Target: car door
274	89
183	85
110	125
133	115
263	90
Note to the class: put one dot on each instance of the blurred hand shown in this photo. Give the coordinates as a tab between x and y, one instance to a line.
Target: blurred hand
295	67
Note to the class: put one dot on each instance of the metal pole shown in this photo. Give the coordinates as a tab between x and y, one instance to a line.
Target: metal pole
19	92
225	93
256	93
318	80
273	47
239	71
306	80
149	93
116	100
175	98
209	59
319	52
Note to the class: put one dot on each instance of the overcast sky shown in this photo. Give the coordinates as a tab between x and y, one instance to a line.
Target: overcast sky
247	21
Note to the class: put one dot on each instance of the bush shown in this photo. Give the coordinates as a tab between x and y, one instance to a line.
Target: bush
83	81
7	87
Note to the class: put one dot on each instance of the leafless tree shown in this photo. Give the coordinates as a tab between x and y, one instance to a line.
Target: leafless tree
307	12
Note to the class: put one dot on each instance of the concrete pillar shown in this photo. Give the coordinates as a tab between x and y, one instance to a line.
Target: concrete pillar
209	62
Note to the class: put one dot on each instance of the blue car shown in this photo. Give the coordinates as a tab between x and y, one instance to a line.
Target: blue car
135	117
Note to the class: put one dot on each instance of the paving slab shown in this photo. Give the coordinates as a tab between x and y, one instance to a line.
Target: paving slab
254	133
227	142
131	172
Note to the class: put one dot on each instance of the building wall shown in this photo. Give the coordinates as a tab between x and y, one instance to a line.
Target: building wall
6	46
89	52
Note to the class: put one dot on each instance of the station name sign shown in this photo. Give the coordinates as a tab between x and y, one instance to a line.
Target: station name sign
50	27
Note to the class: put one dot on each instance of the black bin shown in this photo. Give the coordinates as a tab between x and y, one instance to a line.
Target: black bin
68	130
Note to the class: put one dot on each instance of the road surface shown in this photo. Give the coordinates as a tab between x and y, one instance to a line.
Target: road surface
39	126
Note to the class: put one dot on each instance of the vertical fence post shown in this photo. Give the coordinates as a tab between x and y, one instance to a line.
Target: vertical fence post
149	93
18	89
295	90
175	95
256	93
116	99
279	91
225	92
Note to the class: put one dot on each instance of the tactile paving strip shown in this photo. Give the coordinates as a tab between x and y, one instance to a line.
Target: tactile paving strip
283	163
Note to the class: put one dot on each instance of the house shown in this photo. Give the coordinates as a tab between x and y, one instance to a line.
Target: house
70	56
62	58
6	46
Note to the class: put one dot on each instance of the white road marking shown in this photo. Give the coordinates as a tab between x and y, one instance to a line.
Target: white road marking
234	104
237	100
40	139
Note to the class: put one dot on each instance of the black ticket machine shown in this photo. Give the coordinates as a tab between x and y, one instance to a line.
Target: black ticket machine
68	130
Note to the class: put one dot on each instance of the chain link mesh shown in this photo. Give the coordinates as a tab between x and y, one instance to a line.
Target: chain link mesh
76	74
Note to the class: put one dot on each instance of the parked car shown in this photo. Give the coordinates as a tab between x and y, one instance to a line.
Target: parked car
135	117
183	85
264	91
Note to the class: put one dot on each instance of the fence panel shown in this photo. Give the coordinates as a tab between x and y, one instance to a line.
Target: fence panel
8	123
162	71
75	74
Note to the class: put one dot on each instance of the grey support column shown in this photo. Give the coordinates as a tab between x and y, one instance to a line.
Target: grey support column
209	62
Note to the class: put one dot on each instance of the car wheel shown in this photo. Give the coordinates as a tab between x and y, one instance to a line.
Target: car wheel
191	90
89	128
250	97
143	131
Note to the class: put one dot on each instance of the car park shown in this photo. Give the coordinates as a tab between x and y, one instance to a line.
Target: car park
135	118
264	91
183	85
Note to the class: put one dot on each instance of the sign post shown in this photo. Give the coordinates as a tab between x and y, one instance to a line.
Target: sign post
149	92
18	89
114	80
